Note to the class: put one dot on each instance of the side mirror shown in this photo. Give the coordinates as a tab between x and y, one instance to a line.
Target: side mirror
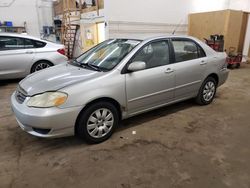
136	66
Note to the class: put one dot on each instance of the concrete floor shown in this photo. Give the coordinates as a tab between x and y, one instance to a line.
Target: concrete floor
183	145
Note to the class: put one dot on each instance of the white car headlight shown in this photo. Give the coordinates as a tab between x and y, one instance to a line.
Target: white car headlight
48	99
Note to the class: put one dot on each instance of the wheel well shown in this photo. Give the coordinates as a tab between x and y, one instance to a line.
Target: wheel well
105	99
39	62
215	76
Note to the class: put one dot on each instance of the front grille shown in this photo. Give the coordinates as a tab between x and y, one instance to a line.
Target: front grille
20	95
41	131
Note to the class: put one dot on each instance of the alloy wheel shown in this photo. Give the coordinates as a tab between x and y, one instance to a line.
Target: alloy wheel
41	66
100	123
209	91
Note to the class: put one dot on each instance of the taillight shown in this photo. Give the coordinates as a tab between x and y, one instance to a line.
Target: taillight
61	51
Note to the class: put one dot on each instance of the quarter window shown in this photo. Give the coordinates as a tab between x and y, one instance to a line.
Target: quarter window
186	50
154	54
39	44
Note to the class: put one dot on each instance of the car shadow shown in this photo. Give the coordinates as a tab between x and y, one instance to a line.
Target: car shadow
154	114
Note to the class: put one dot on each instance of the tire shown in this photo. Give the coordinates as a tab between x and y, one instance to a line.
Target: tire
40	65
207	91
92	122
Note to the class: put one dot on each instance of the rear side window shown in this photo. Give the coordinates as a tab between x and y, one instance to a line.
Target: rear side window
29	43
186	50
11	43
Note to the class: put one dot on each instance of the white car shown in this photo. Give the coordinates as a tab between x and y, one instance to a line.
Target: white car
21	55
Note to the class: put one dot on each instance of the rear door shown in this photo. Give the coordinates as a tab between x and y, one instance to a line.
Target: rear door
16	54
153	86
189	65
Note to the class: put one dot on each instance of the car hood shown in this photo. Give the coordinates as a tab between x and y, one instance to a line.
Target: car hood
56	78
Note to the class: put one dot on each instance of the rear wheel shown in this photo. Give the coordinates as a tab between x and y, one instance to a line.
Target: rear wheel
40	65
97	122
207	91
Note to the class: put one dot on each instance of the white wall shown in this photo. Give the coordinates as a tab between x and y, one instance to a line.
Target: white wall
34	12
240	5
144	18
156	11
208	5
247	39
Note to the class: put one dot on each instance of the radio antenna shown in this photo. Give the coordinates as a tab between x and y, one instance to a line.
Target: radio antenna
177	27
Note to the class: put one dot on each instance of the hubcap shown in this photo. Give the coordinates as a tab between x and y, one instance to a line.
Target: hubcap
41	66
100	123
209	90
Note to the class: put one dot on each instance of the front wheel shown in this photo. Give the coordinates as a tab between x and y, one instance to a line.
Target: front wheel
207	91
97	123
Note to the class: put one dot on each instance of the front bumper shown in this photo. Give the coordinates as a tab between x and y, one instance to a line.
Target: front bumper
45	122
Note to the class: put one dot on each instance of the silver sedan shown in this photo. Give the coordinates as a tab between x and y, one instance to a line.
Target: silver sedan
21	55
115	80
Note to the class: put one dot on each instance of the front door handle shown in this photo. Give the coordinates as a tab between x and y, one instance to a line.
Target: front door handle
29	52
203	62
169	70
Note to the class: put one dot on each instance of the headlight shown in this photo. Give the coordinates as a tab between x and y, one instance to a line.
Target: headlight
48	99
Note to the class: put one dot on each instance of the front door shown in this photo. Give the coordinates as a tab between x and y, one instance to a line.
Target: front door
153	86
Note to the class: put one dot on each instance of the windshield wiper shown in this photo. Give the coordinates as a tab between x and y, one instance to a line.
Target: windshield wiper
94	67
75	62
91	66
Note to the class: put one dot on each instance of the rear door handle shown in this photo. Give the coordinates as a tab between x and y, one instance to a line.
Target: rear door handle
203	62
169	70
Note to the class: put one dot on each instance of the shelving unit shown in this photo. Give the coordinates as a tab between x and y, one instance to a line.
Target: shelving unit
13	29
70	23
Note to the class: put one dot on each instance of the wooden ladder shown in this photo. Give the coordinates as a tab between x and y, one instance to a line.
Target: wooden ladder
70	24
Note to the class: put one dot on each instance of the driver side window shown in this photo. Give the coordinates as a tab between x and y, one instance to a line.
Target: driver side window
154	54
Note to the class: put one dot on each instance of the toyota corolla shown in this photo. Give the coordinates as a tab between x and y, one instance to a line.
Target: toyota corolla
115	80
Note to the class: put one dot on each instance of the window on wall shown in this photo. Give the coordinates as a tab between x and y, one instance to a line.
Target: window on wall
11	43
154	54
186	50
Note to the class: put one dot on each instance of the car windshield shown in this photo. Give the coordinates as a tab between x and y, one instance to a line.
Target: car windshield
108	54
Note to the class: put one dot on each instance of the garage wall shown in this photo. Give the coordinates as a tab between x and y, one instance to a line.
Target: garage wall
243	5
206	6
230	23
143	18
246	49
215	5
160	11
142	30
34	12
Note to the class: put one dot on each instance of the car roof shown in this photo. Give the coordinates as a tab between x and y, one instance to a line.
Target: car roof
21	35
169	36
159	37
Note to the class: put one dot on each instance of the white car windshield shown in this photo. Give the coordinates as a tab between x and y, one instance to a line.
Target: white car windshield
108	54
